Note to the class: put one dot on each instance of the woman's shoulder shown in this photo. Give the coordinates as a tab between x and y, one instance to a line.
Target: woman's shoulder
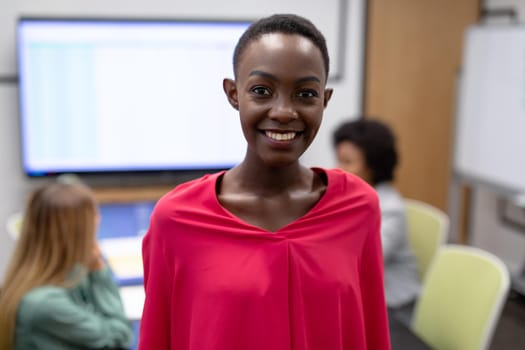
39	300
343	182
191	188
348	191
42	293
186	197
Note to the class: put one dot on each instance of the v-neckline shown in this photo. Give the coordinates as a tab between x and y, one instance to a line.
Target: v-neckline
282	230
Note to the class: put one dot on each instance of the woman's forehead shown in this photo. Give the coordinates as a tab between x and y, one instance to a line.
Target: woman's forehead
278	50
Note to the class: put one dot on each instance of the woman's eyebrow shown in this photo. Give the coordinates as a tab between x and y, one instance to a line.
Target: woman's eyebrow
273	77
263	74
310	78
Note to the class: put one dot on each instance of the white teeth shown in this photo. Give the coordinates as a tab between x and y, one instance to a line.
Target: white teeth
280	136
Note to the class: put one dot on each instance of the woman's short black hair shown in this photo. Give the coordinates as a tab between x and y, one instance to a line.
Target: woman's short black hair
377	142
281	23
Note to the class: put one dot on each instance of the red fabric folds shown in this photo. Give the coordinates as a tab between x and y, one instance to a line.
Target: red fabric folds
215	282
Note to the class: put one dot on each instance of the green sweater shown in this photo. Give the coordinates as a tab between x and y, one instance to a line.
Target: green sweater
88	316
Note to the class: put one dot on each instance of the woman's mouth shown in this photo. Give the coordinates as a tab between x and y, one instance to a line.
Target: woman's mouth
281	136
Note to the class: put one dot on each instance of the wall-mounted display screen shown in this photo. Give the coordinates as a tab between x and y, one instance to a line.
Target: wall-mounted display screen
100	95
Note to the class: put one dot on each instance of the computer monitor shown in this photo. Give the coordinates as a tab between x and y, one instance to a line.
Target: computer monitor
126	95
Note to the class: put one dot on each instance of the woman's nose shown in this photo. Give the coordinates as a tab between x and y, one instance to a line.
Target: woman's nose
283	110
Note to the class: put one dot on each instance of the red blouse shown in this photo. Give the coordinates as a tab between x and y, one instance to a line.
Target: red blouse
215	282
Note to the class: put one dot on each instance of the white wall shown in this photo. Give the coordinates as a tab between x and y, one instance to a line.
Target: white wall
486	230
327	15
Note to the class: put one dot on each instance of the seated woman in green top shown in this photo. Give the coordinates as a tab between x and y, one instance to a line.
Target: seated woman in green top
57	293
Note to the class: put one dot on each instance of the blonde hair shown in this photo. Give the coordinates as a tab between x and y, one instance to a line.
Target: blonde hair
58	234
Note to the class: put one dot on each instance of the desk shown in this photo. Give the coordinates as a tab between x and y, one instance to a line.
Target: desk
402	337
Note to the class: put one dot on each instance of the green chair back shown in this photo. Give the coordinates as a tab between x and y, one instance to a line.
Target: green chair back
14	225
461	299
427	231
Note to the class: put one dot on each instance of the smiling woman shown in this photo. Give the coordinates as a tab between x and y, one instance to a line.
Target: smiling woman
280	93
269	254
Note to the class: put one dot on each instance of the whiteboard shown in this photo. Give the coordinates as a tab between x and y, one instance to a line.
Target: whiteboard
490	128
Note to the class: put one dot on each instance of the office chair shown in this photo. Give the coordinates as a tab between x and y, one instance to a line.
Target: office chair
461	300
427	230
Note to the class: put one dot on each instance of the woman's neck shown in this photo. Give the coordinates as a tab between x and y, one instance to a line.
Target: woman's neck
265	181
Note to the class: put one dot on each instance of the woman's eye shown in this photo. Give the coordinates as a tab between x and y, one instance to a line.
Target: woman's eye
261	90
307	94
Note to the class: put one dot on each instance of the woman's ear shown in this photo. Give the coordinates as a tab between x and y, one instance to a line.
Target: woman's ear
327	95
230	89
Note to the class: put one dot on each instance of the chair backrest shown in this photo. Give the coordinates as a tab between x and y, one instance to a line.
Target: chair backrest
427	230
14	225
461	299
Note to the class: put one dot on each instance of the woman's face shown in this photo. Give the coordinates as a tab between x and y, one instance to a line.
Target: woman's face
280	94
352	159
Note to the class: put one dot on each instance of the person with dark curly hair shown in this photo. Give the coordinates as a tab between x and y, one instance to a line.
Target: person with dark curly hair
367	148
270	254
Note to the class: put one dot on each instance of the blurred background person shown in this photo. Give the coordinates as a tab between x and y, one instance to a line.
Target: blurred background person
57	292
367	148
